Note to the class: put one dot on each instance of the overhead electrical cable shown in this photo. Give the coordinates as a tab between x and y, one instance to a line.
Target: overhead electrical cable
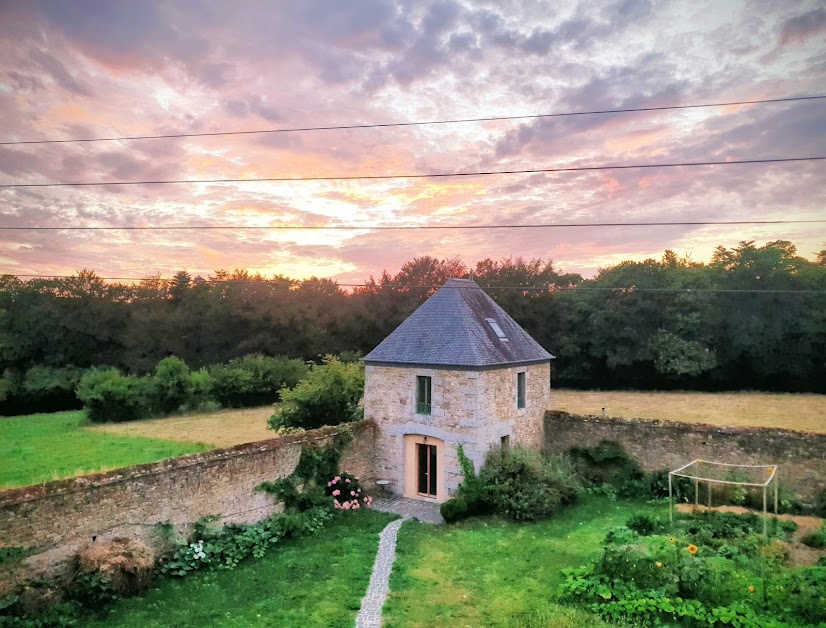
478	173
416	123
683	223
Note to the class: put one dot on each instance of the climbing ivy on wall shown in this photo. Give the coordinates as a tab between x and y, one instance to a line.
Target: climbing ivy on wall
303	489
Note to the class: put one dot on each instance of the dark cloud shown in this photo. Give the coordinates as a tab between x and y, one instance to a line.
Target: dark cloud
121	31
24	82
253	106
802	27
58	72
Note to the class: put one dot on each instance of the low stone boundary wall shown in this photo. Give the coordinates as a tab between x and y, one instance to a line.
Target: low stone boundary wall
54	519
656	445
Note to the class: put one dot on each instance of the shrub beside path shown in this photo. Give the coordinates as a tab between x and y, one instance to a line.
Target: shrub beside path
371	604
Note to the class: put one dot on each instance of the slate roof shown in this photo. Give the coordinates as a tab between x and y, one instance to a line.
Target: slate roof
451	329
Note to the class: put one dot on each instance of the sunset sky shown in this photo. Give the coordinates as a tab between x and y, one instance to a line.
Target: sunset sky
103	68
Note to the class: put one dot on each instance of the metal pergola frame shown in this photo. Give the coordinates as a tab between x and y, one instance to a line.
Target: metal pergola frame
771	472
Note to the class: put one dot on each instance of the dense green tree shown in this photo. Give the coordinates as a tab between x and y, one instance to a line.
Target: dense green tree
754	317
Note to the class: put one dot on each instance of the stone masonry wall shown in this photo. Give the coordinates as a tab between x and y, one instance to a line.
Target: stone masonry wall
57	517
800	456
499	403
474	408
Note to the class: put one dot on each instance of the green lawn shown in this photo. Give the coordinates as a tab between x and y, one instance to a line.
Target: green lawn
42	447
488	572
315	581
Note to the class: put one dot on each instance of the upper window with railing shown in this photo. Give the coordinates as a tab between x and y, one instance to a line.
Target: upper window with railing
423	390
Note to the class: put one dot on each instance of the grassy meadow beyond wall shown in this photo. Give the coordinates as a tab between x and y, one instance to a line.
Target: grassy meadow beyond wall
51	521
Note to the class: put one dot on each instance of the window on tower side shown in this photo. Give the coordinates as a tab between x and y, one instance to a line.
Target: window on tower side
423	385
520	390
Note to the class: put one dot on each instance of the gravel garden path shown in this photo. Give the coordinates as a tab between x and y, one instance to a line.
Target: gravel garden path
371	604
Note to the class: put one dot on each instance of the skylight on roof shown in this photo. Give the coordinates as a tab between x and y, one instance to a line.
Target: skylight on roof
497	330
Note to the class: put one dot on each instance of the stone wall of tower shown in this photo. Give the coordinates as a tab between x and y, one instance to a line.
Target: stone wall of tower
475	408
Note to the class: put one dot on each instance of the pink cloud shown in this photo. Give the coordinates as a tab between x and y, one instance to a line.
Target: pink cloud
72	69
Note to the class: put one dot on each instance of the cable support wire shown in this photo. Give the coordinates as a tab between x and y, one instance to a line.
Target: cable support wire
416	123
546	288
433	175
414	227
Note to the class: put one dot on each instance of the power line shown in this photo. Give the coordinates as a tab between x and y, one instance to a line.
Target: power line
419	123
546	288
478	173
416	227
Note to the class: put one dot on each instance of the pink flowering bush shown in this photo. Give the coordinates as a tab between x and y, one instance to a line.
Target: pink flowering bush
347	493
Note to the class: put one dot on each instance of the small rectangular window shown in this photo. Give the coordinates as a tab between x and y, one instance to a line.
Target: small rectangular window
423	394
520	390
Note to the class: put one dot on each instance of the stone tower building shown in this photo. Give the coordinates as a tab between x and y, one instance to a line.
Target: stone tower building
459	370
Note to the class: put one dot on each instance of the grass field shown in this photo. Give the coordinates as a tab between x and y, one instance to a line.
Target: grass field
314	581
224	428
483	572
42	447
791	411
488	572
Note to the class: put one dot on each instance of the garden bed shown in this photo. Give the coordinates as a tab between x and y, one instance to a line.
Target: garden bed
314	581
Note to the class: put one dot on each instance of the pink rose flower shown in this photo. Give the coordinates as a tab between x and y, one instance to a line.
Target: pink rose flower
352	493
337	478
346	506
347	480
336	493
329	484
356	506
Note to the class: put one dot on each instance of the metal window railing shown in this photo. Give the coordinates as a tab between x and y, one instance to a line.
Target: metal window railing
423	407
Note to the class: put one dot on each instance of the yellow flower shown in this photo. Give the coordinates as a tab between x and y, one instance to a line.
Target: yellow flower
751	588
659	564
692	549
672	540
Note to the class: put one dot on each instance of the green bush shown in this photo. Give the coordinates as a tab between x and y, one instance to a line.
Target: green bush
226	547
608	463
171	386
819	507
523	485
816	539
454	509
716	570
108	395
310	485
9	385
329	395
645	525
255	380
800	593
42	382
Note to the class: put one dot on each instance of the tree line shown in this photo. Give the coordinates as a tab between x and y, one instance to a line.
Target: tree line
656	324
